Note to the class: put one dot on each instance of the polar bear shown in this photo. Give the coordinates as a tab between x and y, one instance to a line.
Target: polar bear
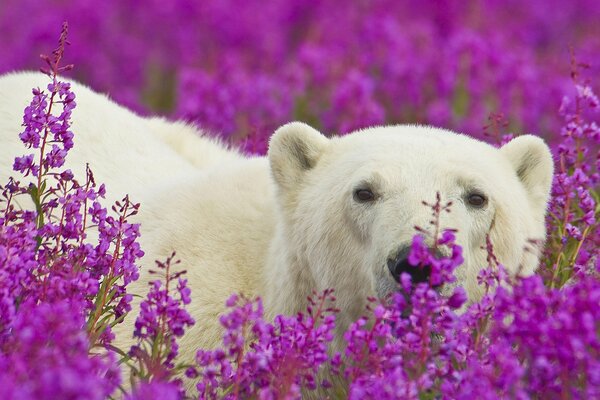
318	212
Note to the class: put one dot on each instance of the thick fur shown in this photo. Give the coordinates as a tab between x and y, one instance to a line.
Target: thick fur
282	226
143	151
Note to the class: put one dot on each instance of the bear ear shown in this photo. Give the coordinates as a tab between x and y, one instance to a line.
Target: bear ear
532	162
294	149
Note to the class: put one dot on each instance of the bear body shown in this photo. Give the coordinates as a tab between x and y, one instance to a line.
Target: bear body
158	149
302	218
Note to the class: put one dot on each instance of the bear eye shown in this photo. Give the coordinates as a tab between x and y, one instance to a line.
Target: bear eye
477	200
364	195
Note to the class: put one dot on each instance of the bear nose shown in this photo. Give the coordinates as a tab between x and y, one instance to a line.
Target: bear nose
400	265
418	274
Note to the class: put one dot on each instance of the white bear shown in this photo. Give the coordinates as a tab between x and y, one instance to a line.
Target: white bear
318	212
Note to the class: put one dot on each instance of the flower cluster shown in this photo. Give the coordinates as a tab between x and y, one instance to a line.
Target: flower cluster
161	320
61	291
270	360
573	210
242	69
66	260
542	343
46	356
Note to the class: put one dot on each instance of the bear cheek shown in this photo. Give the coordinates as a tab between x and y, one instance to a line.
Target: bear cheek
359	224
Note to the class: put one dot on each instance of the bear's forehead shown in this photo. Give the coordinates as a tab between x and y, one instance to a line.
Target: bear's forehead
417	135
408	144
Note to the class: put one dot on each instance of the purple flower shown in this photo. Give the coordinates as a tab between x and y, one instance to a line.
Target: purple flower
339	68
276	360
26	165
155	390
161	320
60	292
47	356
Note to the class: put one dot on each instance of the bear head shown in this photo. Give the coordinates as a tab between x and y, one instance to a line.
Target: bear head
348	207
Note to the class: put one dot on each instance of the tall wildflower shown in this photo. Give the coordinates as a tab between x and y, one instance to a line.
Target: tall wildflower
61	293
268	360
162	319
573	217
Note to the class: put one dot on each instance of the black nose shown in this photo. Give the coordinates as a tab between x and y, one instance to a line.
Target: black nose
400	265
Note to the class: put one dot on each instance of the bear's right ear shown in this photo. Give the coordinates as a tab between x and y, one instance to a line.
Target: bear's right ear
294	149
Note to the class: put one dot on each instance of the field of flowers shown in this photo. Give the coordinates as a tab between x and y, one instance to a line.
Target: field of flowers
239	69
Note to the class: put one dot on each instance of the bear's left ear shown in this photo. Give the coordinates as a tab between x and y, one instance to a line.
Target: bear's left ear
294	149
532	162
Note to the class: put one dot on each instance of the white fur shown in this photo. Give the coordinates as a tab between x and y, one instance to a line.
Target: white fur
144	151
282	226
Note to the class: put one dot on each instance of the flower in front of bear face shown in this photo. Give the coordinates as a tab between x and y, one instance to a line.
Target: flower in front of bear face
416	336
441	268
405	338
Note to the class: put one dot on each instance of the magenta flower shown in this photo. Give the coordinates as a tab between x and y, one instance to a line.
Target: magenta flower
491	72
275	360
46	356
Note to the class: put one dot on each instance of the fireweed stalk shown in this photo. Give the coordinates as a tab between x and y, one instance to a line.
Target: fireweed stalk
574	207
61	292
161	320
50	277
266	360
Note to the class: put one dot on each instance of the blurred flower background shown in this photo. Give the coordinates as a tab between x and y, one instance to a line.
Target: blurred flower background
241	68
